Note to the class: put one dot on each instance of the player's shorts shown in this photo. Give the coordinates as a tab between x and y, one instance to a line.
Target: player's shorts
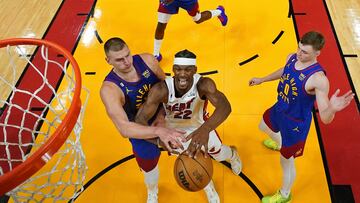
214	143
293	131
191	6
146	154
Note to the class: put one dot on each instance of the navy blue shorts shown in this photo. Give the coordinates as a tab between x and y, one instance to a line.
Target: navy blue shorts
191	6
293	131
146	154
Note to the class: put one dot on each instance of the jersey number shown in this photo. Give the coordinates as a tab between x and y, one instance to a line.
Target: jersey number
186	114
286	89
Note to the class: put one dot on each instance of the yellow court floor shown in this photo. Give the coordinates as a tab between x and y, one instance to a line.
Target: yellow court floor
252	27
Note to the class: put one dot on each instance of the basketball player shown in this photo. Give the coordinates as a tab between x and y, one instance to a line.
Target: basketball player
123	91
302	81
185	97
167	8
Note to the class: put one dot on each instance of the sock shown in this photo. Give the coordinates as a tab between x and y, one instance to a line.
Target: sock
289	173
152	179
215	13
157	45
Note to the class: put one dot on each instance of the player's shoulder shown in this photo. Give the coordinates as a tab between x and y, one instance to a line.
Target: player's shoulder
205	81
318	79
160	91
108	87
206	84
148	58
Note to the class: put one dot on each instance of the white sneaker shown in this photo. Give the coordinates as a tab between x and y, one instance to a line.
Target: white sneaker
236	165
211	193
152	196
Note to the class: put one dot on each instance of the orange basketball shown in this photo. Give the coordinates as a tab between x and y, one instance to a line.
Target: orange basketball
193	174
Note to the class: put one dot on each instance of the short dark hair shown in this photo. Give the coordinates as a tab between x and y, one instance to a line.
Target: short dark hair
114	44
313	38
185	54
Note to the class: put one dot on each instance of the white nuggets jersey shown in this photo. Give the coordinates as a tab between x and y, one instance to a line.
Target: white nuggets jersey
187	112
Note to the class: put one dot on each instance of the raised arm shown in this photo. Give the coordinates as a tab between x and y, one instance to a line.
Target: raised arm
327	108
200	137
273	76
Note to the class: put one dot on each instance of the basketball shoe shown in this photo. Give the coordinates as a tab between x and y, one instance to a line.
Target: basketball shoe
235	161
152	196
211	193
271	144
222	17
158	57
276	198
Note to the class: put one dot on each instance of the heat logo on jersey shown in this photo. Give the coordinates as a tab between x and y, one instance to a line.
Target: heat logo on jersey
181	110
288	88
142	95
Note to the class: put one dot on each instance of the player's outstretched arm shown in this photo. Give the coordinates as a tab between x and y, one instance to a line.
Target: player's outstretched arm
273	76
157	95
113	99
200	137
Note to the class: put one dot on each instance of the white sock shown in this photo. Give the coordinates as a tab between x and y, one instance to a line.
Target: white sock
157	45
274	136
215	13
289	173
152	179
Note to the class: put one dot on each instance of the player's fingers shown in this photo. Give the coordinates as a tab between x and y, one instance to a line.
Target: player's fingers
189	137
337	92
206	151
167	146
178	144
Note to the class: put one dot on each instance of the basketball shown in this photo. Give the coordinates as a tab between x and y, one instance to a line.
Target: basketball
193	174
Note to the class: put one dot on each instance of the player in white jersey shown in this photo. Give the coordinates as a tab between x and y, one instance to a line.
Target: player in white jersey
185	97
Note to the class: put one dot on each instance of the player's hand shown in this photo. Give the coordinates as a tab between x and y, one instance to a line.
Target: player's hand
171	138
171	151
255	81
339	103
199	138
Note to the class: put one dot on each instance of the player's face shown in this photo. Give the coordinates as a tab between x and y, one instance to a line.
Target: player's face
306	53
121	60
183	76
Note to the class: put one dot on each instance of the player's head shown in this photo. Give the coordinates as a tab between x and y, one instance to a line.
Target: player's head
310	45
184	68
118	54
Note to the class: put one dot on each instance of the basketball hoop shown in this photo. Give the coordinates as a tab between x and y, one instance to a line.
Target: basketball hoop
40	121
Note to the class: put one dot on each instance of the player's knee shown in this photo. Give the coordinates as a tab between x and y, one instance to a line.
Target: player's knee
262	125
163	18
197	18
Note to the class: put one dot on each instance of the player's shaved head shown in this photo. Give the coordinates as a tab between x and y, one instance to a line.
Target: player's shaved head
114	44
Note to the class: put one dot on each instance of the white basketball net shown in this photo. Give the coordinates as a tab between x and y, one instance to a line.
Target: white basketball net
30	112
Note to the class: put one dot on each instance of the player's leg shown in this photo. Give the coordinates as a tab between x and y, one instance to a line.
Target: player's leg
289	173
165	11
147	157
211	194
199	17
221	152
269	126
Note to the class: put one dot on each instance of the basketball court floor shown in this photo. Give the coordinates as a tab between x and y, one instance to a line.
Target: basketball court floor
259	36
